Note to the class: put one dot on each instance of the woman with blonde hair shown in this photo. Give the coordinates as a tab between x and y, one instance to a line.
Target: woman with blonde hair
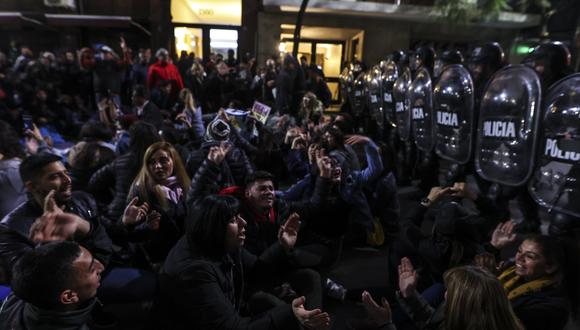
194	80
161	186
475	300
189	114
311	109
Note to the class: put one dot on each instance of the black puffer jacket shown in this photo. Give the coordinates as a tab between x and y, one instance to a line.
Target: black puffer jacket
118	174
19	315
203	293
233	170
15	228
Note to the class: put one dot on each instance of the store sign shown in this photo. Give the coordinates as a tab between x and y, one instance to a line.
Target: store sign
221	12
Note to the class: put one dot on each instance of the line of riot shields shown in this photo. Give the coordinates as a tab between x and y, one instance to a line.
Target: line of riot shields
516	126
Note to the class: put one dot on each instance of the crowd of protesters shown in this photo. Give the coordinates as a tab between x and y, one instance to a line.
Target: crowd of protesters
129	180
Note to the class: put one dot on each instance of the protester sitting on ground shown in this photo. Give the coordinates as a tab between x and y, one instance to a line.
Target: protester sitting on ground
236	166
188	116
54	287
53	212
474	300
11	155
311	110
382	196
111	183
144	109
542	285
90	154
259	207
458	234
162	185
51	205
346	210
204	276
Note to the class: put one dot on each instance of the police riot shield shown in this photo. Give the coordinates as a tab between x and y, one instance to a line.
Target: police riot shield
358	94
453	112
420	95
402	113
389	76
555	183
508	126
345	81
373	90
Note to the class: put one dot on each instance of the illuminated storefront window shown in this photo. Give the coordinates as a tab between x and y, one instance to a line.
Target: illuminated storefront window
189	40
201	26
222	40
327	56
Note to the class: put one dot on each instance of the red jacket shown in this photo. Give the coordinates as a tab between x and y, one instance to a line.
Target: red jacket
164	71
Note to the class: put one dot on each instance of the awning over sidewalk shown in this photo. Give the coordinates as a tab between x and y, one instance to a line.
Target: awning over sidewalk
11	19
14	18
413	13
66	20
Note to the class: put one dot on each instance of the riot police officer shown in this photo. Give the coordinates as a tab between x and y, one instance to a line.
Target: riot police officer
424	57
448	57
484	61
551	61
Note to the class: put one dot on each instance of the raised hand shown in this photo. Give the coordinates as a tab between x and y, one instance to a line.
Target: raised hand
53	226
356	139
134	214
299	142
312	149
437	192
503	235
223	115
34	133
288	233
324	166
218	153
182	117
313	319
487	261
122	43
282	121
291	134
407	277
381	315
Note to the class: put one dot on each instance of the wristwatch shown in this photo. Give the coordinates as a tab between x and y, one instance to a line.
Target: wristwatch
425	201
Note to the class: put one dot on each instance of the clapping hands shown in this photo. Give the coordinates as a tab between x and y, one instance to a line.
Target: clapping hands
309	319
408	277
380	314
503	235
135	214
288	233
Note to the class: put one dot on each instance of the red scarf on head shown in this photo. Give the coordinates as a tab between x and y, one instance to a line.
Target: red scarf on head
238	192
